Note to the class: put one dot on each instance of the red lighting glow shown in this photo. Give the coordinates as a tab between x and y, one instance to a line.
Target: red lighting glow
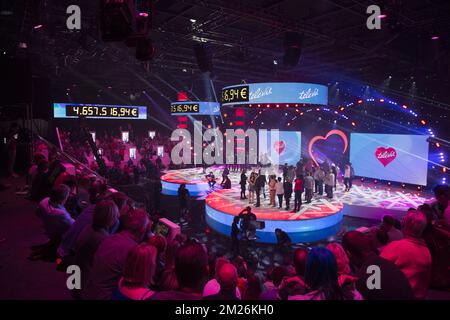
360	101
438	144
404	106
143	14
423	122
434	37
353	124
381	100
268	106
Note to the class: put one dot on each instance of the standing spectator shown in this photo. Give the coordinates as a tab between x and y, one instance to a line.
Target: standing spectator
298	190
243	183
191	269
411	254
183	201
309	187
287	187
277	275
253	289
342	261
393	283
11	145
279	188
235	235
111	255
138	274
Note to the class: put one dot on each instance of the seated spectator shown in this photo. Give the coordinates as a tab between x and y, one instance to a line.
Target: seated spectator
55	218
67	247
212	287
442	195
191	269
37	191
411	254
168	279
227	279
393	283
110	257
106	215
138	273
276	275
253	289
321	276
343	263
84	183
437	238
160	243
388	224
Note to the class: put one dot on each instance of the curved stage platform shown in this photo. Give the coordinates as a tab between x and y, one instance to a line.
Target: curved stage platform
194	178
315	221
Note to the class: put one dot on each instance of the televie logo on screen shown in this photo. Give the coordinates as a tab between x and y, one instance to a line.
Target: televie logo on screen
275	92
390	157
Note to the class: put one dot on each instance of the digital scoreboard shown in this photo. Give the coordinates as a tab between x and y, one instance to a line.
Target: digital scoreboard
199	108
98	111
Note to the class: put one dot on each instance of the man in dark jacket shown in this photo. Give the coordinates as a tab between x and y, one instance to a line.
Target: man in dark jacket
259	186
287	186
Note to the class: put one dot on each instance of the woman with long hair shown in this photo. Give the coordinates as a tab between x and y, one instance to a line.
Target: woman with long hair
138	273
251	188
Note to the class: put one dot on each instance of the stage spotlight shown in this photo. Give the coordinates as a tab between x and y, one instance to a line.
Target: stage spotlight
423	122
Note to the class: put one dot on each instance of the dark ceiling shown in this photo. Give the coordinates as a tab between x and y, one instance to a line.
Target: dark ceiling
246	37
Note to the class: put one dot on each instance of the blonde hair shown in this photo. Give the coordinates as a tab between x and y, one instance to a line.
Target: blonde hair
140	266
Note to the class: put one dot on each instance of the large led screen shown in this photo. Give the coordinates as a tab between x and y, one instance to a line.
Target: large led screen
393	157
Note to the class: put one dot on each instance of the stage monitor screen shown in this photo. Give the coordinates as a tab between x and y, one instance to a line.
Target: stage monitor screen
391	157
98	111
279	147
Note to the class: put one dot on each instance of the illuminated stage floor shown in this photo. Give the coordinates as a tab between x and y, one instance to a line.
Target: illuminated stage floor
315	221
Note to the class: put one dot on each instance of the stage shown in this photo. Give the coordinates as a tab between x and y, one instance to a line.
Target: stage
317	220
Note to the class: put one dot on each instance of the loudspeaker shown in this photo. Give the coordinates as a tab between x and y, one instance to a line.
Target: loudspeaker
203	55
292	48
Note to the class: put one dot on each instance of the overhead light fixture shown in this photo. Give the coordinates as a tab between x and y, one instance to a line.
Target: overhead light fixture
275	62
192	20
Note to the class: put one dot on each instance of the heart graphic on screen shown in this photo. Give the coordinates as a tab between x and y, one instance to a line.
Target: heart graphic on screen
279	146
318	138
385	156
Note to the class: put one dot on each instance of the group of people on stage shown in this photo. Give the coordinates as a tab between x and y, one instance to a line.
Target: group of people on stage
307	180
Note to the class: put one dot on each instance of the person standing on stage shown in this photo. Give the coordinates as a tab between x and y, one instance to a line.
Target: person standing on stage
319	174
279	188
272	190
329	184
287	187
335	170
259	186
243	183
347	174
251	188
235	235
226	183
285	171
309	187
352	176
225	174
298	190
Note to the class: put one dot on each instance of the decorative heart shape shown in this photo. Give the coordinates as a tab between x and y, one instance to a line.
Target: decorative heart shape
279	146
330	133
385	155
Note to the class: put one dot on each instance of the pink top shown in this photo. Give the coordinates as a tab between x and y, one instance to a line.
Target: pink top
414	259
